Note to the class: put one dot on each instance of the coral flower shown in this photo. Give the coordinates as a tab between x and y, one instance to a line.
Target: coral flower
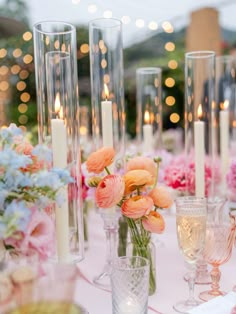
153	222
161	197
100	159
144	163
137	179
110	191
137	206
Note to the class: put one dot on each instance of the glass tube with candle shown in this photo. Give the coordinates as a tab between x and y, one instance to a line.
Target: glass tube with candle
108	116
226	113
58	126
149	108
200	136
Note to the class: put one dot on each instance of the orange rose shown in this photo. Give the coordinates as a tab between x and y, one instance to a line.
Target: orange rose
137	179
109	191
161	197
137	206
153	222
144	163
100	159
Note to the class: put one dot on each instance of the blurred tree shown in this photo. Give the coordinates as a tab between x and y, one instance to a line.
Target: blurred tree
16	9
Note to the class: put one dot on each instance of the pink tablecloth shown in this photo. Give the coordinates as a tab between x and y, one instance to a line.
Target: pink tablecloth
170	270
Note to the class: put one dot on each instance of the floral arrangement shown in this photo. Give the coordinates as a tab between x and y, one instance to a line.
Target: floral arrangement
231	181
135	192
180	175
28	189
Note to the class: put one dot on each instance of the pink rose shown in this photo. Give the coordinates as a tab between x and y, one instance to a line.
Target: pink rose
143	163
39	235
137	206
109	191
161	197
153	222
100	159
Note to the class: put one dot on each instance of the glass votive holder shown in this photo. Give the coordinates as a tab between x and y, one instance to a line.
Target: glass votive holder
130	285
149	108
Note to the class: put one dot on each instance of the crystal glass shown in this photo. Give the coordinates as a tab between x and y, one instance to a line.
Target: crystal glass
58	126
220	236
226	112
200	132
110	225
191	216
149	108
129	282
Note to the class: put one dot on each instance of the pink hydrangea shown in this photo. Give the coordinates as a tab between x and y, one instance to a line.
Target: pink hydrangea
231	181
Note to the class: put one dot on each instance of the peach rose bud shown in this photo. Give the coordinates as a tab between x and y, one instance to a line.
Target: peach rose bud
110	191
161	197
100	159
137	179
143	163
153	222
137	206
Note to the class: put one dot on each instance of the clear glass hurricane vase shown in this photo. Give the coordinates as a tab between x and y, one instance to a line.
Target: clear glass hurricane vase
141	245
110	224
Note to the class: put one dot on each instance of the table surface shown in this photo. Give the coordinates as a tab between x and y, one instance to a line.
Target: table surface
170	269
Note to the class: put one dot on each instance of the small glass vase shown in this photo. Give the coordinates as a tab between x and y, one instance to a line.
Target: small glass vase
141	245
110	225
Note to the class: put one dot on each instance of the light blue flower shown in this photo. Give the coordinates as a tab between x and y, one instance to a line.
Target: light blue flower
43	153
63	175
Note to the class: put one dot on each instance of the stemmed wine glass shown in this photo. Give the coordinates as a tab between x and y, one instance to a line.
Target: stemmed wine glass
191	216
220	235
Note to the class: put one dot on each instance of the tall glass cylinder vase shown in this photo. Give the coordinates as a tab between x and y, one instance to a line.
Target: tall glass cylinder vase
108	109
226	115
149	108
57	99
200	132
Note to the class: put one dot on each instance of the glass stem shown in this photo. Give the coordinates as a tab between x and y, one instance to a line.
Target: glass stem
215	276
111	230
191	283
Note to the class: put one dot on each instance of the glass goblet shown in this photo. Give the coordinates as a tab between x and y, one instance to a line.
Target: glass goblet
220	236
191	216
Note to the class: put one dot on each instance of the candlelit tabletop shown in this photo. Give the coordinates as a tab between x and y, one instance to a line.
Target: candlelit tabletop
169	264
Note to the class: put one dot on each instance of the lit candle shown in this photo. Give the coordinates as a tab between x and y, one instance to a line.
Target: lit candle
199	154
147	132
107	128
59	150
224	141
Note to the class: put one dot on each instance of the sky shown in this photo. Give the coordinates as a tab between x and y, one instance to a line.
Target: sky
148	11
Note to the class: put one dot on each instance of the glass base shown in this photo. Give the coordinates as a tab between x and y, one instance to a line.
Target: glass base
185	306
210	294
103	279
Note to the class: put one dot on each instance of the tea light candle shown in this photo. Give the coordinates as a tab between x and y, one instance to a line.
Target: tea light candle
130	306
147	132
59	149
224	140
107	124
199	154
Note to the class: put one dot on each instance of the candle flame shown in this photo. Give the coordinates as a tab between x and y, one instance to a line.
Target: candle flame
147	118
58	107
199	111
234	123
106	91
57	103
225	105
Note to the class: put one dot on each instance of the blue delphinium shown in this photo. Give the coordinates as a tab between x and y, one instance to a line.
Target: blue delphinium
23	186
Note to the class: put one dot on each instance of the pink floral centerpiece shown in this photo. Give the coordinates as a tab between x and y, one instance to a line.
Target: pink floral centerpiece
135	192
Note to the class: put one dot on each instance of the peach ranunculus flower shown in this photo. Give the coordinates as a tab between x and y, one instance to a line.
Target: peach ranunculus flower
110	191
137	206
142	162
161	197
137	179
100	159
153	222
